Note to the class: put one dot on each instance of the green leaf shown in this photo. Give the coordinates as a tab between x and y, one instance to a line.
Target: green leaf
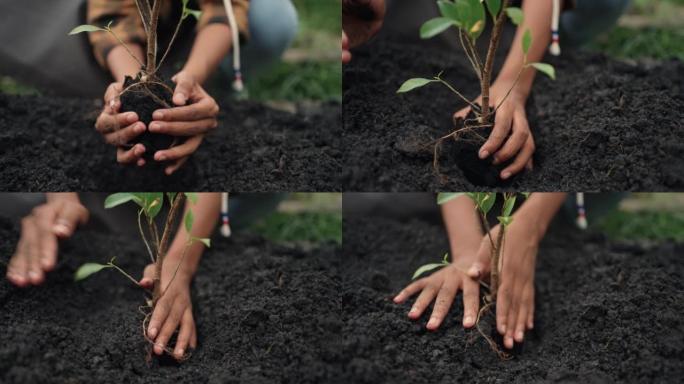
525	194
85	28
195	13
509	204
447	196
477	20
526	41
426	268
189	220
171	196
152	203
487	202
411	84
88	269
494	6
192	196
516	15
448	10
445	259
117	199
206	242
434	27
546	69
505	220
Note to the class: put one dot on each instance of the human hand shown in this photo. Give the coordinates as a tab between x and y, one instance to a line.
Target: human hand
361	20
192	121
444	285
119	129
173	310
36	251
515	295
510	118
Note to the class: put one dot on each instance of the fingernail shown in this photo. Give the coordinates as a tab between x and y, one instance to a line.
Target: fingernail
140	128
413	309
131	117
502	328
33	274
61	229
154	127
484	154
158	115
112	102
432	322
505	175
519	336
396	298
139	150
152	332
161	157
468	321
509	342
180	352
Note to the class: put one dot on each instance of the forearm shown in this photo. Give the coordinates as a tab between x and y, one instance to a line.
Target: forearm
121	64
538	21
211	45
540	208
56	196
206	213
462	223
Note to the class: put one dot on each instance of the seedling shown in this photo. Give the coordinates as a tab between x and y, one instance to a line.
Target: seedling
157	246
484	202
470	18
147	92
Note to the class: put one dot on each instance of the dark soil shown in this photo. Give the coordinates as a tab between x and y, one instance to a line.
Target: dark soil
139	100
603	125
262	314
606	312
50	144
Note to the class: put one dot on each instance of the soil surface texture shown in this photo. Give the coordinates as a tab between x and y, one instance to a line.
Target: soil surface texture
605	312
262	313
603	125
50	144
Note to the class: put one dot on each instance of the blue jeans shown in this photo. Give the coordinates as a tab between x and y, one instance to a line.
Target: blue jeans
273	25
588	19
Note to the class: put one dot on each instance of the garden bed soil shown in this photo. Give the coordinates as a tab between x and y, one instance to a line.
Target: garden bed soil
50	144
605	312
603	125
262	313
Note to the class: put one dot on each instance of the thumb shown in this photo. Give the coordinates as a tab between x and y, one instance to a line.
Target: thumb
184	86
481	265
147	280
67	219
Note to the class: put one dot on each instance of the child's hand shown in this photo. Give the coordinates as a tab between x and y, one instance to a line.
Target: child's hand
515	297
173	310
361	19
194	120
119	129
510	118
445	284
36	251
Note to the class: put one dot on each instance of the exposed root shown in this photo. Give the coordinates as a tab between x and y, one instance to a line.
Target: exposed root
146	310
456	135
492	344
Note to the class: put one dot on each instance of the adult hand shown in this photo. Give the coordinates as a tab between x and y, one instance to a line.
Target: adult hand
119	129
510	119
36	251
361	20
193	120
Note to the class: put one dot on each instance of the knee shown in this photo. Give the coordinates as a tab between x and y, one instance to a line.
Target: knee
273	25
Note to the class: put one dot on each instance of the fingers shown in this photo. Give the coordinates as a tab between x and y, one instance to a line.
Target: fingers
471	302
445	298
512	318
530	313
20	263
111	122
147	280
193	338
112	94
481	266
187	329
410	290
171	169
346	55
423	301
520	326
68	217
28	252
524	156
168	328
45	219
462	113
503	304
502	127
161	312
184	86
125	135
519	135
132	155
178	152
206	107
184	128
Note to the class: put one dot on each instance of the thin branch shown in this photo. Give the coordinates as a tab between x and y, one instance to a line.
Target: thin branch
173	38
471	59
517	79
185	251
152	38
108	29
456	92
164	243
489	61
144	11
142	234
124	273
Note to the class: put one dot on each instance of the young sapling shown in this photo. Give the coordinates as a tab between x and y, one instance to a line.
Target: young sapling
470	18
156	244
484	202
146	92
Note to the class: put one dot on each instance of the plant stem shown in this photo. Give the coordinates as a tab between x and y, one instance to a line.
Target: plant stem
489	61
124	273
164	244
142	234
173	277
517	79
173	38
457	93
144	11
496	255
152	37
125	46
471	59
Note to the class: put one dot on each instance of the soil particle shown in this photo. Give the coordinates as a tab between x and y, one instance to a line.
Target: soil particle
588	328
55	148
603	125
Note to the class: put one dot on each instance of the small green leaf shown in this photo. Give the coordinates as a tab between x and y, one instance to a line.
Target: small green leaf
206	242
85	28
527	41
117	199
487	201
516	15
448	10
189	220
434	27
447	196
476	22
494	7
194	13
546	69
171	196
505	220
525	194
445	259
411	84
152	203
88	269
192	196
509	204
427	268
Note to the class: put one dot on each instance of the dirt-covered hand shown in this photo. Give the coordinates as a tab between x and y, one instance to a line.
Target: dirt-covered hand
444	285
511	119
193	120
361	20
36	251
172	312
119	129
515	296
